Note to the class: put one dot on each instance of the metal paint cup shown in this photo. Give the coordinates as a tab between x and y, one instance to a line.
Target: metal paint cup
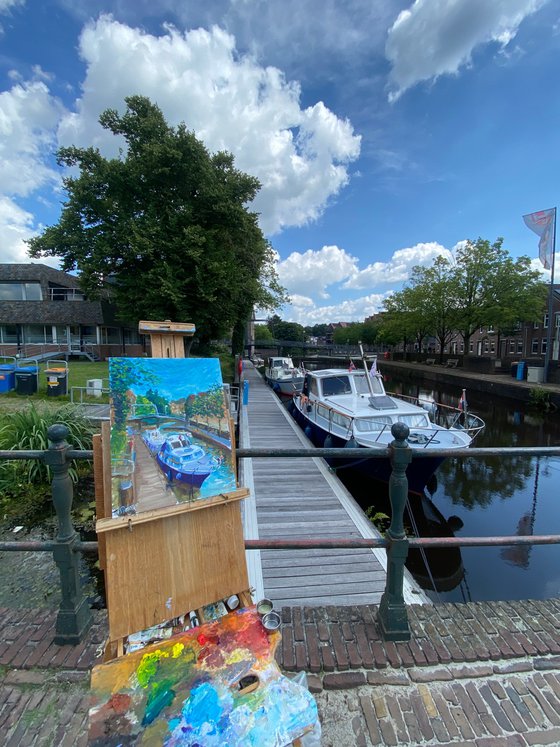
264	606
232	602
271	621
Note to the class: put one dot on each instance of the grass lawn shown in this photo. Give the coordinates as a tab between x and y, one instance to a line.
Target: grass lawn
79	372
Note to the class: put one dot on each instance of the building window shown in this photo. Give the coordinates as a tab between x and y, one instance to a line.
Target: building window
492	347
535	347
8	333
37	333
512	347
110	336
535	325
471	347
132	337
88	334
557	319
20	292
545	322
59	293
486	346
543	346
462	348
491	328
517	326
520	347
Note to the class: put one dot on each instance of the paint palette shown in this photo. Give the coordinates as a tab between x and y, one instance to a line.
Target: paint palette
215	685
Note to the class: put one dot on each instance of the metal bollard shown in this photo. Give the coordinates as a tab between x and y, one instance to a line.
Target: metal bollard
393	618
74	615
245	392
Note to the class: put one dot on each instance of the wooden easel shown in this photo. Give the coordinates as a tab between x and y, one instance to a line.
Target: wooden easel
164	563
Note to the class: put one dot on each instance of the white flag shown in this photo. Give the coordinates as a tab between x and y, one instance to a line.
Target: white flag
543	224
373	369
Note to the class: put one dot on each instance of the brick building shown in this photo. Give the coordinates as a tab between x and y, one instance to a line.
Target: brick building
43	310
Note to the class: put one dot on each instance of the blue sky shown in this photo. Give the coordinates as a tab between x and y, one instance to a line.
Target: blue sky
384	132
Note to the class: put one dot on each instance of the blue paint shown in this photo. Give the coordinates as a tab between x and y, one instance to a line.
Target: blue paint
203	708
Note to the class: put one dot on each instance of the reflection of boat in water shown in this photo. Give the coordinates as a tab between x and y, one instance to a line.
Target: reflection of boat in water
439	568
182	461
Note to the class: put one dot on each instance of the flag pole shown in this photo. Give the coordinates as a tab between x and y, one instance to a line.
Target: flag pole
550	306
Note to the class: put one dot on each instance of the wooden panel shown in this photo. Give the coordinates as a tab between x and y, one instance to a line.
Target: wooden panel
99	492
167	346
129	522
164	567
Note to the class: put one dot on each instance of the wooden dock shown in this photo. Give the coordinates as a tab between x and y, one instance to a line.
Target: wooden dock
301	498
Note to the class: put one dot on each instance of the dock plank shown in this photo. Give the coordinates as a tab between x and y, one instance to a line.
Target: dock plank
297	498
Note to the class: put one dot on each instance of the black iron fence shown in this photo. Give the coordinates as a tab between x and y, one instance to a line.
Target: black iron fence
74	615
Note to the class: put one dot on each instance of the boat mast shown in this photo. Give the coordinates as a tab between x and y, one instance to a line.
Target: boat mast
364	362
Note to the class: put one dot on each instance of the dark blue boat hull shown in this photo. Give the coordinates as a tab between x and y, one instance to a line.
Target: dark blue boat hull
418	472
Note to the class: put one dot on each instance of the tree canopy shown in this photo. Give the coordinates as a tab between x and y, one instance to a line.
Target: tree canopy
165	226
482	287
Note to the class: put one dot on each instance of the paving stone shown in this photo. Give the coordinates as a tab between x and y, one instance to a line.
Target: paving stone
343	680
388	732
440	674
359	736
548	736
550	709
512	740
462	723
550	662
371	720
388	677
470	671
497	711
380	706
353	655
445	714
314	683
397	717
536	713
413	727
420	713
475	719
26	677
513	666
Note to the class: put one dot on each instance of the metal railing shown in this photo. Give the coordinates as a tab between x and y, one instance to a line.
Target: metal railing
74	615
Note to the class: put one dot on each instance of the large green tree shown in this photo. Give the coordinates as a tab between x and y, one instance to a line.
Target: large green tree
165	226
492	289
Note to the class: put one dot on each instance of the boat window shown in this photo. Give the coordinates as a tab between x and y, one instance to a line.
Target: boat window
336	385
313	386
339	419
369	425
415	421
362	385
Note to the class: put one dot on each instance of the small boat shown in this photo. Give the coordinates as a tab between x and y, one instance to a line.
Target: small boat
339	407
285	378
184	462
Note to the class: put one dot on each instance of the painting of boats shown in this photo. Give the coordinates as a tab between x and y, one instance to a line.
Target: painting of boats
171	439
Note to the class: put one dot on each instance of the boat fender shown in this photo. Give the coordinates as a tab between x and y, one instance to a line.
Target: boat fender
328	444
351	443
307	430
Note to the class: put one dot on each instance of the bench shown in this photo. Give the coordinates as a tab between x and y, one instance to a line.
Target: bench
452	363
430	361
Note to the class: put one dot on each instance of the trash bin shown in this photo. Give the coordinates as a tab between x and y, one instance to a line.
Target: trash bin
520	371
26	379
57	381
7	377
514	370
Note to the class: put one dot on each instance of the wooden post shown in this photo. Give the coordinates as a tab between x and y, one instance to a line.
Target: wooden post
167	338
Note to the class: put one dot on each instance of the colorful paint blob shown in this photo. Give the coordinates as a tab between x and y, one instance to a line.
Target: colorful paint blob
191	690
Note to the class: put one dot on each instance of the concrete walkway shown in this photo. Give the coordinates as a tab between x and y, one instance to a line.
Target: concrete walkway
477	675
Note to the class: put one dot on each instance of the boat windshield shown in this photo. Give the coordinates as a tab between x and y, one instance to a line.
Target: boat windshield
372	425
333	385
415	421
362	385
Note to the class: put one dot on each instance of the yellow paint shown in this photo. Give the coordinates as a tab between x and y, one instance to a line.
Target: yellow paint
177	650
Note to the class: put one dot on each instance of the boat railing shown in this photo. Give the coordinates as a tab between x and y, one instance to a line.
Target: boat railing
446	416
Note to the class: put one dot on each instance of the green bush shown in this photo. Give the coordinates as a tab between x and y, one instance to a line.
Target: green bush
27	430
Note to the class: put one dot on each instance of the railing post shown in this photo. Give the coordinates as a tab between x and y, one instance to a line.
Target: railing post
393	619
74	615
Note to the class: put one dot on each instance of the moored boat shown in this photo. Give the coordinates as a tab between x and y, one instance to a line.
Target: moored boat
339	407
284	378
184	462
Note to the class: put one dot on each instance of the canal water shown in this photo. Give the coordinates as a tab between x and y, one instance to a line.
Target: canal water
484	497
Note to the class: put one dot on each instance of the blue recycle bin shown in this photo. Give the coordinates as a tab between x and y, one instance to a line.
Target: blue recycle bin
521	370
7	377
27	379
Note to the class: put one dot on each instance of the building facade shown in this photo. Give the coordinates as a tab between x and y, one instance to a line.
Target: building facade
43	310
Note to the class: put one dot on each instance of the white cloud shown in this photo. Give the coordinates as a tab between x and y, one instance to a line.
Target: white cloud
7	5
311	272
397	269
437	37
16	225
350	310
301	156
28	117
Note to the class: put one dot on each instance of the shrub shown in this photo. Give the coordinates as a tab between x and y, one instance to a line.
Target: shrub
27	429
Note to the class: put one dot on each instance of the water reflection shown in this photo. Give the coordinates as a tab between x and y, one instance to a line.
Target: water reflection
500	495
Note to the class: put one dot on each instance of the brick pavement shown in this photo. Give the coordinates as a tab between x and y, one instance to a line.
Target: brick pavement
477	674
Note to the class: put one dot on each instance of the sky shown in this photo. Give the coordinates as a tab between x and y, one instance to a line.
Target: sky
383	132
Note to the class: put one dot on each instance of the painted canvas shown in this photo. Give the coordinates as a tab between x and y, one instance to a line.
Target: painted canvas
215	685
171	439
